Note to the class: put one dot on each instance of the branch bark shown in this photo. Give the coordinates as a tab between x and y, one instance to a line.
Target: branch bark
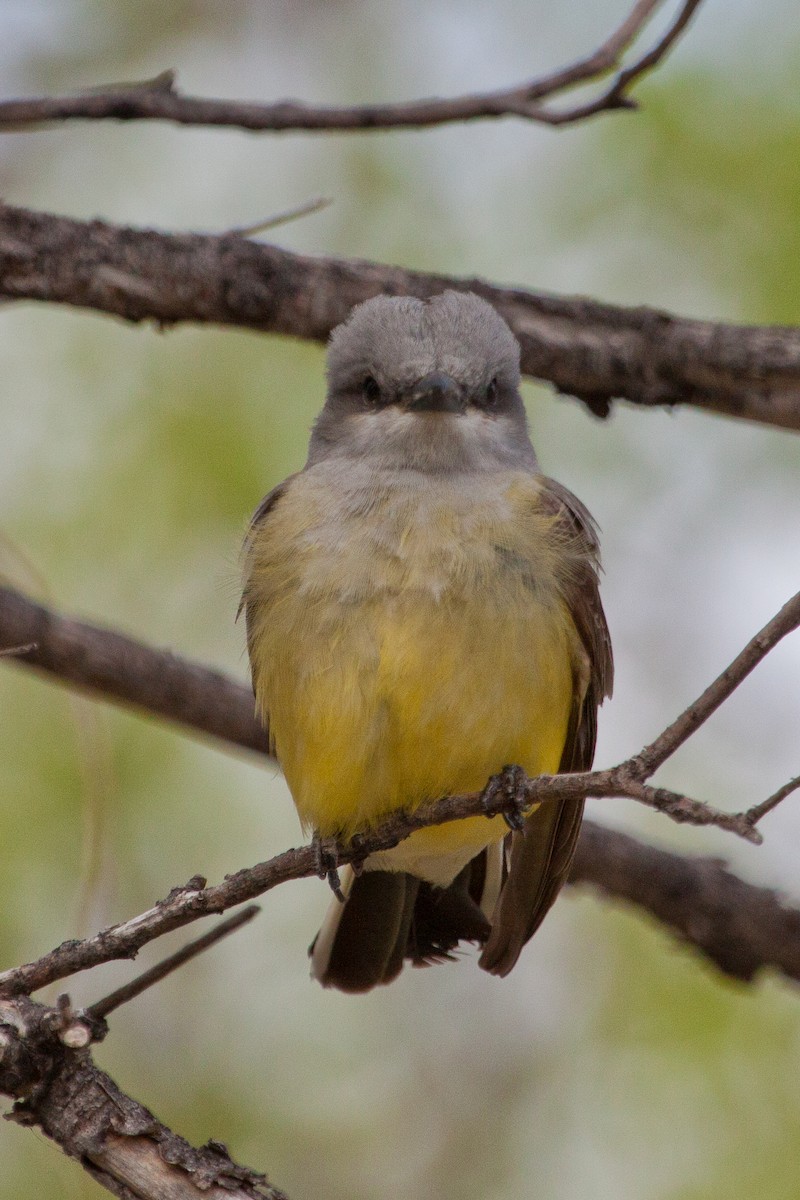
114	1138
741	928
157	99
593	351
119	668
44	1060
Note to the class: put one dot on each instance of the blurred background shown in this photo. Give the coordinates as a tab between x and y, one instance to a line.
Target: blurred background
612	1063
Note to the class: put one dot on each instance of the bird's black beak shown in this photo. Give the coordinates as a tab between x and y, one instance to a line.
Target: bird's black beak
436	393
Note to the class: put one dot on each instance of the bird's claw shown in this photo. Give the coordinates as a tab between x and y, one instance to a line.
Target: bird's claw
360	855
326	862
504	795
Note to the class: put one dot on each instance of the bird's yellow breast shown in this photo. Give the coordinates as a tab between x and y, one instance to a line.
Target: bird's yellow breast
407	642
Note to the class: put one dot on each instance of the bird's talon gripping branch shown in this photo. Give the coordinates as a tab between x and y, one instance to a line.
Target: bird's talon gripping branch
504	795
360	855
326	862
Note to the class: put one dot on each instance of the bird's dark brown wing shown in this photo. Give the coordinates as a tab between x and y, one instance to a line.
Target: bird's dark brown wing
540	858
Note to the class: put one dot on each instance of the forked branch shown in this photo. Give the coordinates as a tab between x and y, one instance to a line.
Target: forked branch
158	100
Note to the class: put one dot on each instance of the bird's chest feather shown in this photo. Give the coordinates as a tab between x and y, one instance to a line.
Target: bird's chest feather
407	645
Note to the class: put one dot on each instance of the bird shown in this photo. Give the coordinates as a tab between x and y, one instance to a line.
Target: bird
423	619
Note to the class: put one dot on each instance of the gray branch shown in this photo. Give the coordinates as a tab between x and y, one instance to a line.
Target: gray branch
59	1090
158	100
593	351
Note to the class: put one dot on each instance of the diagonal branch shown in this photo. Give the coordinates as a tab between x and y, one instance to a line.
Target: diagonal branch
61	644
158	100
741	928
616	96
651	757
100	1009
120	668
593	351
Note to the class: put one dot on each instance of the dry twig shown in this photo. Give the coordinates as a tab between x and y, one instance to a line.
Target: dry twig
158	100
129	991
187	904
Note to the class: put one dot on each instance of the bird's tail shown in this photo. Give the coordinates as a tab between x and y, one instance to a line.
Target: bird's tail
390	916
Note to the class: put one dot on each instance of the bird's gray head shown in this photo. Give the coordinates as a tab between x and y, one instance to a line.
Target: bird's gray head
426	385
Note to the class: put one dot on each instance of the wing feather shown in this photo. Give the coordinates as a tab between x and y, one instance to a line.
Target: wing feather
540	858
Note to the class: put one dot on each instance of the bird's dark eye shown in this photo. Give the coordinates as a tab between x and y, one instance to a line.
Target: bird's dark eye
371	389
492	392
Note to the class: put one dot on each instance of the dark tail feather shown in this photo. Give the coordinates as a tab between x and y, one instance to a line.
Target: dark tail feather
361	942
390	916
443	917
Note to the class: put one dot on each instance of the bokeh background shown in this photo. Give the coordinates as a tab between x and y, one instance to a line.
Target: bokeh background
612	1063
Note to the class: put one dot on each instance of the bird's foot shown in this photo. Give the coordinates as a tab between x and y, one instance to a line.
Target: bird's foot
326	862
505	795
359	854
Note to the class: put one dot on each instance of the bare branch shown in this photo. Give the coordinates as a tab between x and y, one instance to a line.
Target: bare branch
306	209
129	991
121	669
158	100
17	651
189	903
651	757
118	1141
86	646
593	351
754	814
741	928
616	96
158	681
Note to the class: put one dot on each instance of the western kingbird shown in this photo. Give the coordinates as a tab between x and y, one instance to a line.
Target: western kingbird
422	611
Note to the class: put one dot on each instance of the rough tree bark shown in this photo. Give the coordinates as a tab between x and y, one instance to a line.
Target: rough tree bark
594	351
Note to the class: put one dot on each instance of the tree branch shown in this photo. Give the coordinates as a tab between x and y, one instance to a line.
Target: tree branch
593	351
121	669
101	1009
21	621
114	1138
741	928
158	100
665	745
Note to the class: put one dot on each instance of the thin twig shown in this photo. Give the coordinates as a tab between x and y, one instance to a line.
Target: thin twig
616	96
102	1008
194	707
647	761
17	651
184	906
121	668
291	214
158	100
755	814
